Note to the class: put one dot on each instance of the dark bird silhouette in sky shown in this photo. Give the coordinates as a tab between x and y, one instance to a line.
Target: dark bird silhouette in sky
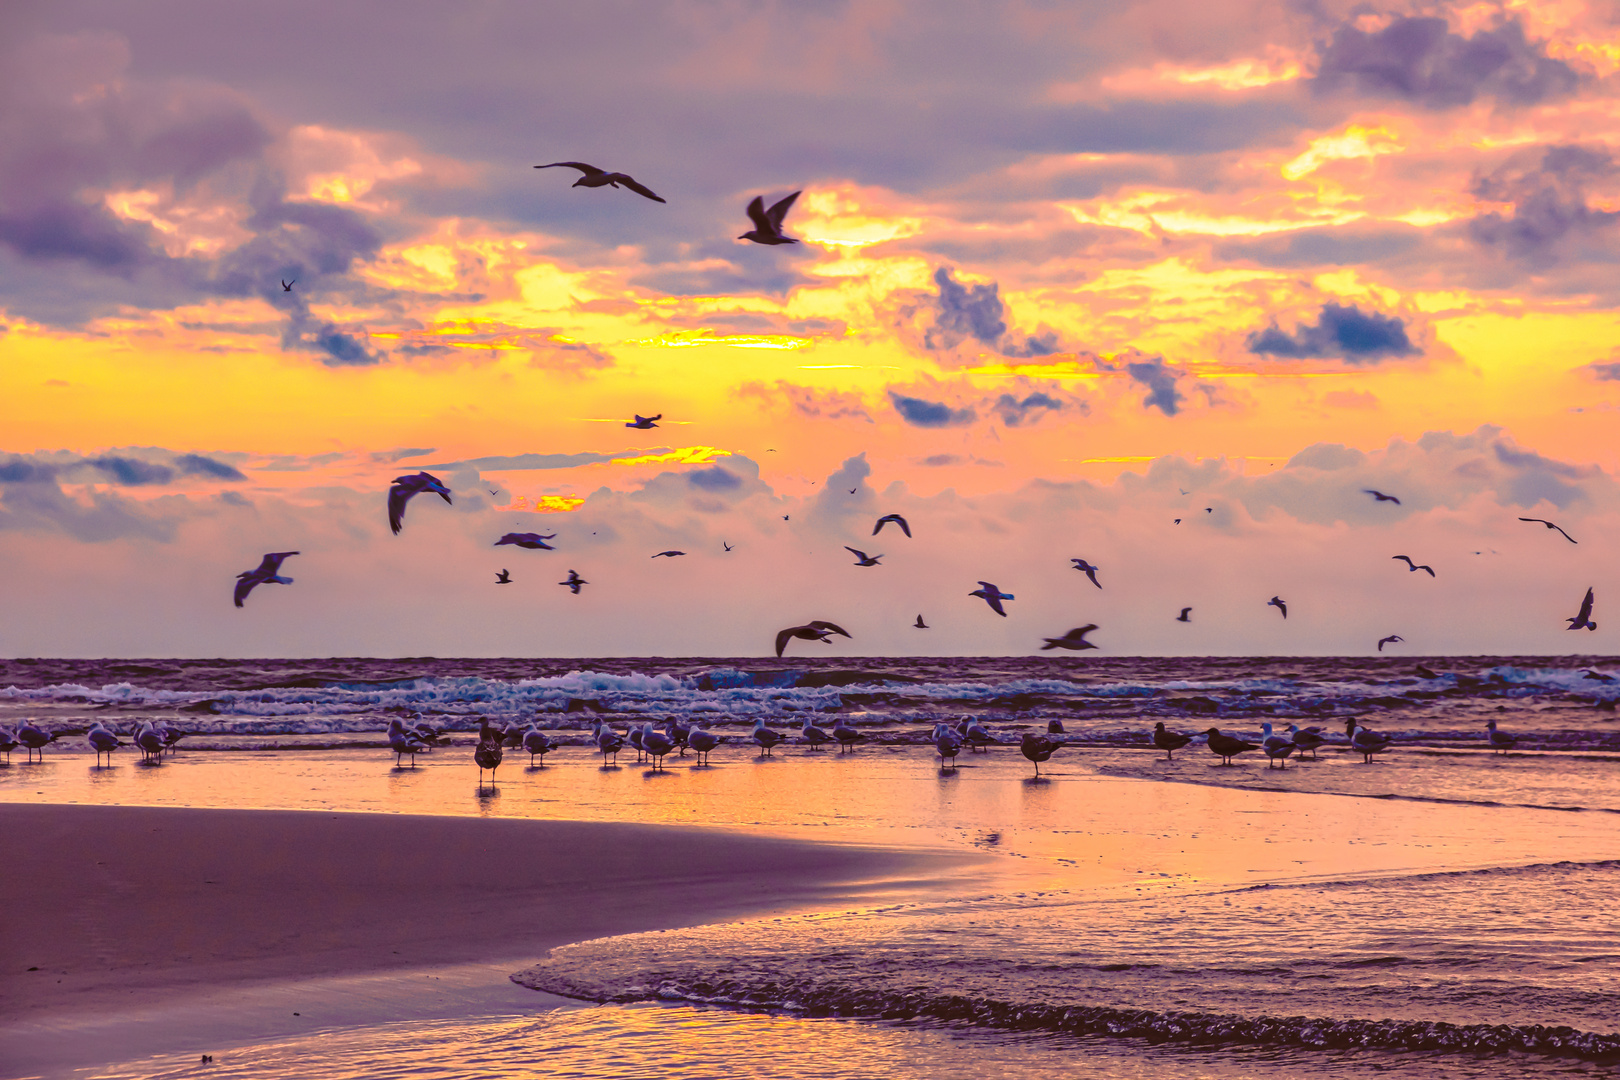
406	486
1074	640
897	519
1412	567
503	578
814	630
1087	569
725	545
670	554
1581	621
1392	639
267	572
992	596
532	541
594	177
862	558
1169	741
1178	521
286	286
1277	602
1379	496
768	223
1185	616
853	490
919	624
574	582
643	423
1550	525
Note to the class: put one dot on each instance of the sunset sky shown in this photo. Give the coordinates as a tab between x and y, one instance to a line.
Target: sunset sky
1068	272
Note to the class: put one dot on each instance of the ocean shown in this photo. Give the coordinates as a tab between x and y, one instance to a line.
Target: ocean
1441	911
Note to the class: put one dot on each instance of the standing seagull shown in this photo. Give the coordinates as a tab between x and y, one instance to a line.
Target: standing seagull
1169	741
268	571
1075	639
1277	602
764	737
503	578
1379	496
1277	747
1088	570
1365	741
1550	525
643	423
1185	616
1225	747
701	740
531	541
897	519
1037	748
487	755
34	739
102	741
768	223
814	630
1391	640
8	742
1501	741
862	558
1307	739
947	742
992	596
574	582
1412	567
538	744
595	177
1583	617
402	490
919	624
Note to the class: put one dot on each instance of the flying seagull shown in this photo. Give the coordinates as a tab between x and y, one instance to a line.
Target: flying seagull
1582	619
574	582
897	519
992	596
1074	640
814	630
1379	496
286	286
725	545
1185	615
1550	525
1392	639
1277	602
269	571
402	490
643	423
671	553
532	541
863	558
919	624
1412	567
595	177
768	223
1087	569
503	578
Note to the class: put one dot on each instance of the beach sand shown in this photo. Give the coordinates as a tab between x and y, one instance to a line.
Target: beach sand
127	909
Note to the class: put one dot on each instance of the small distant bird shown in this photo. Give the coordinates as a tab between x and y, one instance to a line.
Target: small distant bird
897	519
1550	525
862	558
1225	747
1037	748
1277	747
1054	727
1583	617
503	578
1500	741
784	517
1278	603
919	624
1412	567
487	756
532	541
1088	570
725	545
1379	496
574	582
765	737
1075	639
1307	739
1178	521
402	490
815	630
992	596
286	286
768	223
1169	741
8	742
670	554
1185	616
34	739
853	490
150	740
267	572
1391	640
975	734
1596	676
1209	509
594	177
643	423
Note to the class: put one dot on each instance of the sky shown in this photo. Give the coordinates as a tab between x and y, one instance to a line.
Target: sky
1166	286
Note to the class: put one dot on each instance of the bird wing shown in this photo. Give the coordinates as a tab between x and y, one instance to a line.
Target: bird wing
782	638
852	551
245	586
756	214
272	562
904	527
639	189
396	505
1430	569
1402	558
1081	632
822	624
995	605
1561	532
1586	606
588	170
779	210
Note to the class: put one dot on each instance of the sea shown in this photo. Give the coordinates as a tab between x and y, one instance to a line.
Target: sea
1440	910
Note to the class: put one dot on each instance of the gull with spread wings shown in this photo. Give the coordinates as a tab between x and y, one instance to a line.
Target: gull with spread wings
269	572
595	177
768	223
814	630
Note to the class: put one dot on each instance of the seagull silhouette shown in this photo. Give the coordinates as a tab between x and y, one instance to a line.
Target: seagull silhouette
1087	569
1379	496
503	578
1186	612
863	558
853	490
574	582
1277	602
1412	567
406	486
671	553
1550	525
768	223
919	624
814	630
897	519
1582	619
286	286
1392	639
595	177
1075	639
643	423
268	571
725	545
992	596
532	541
